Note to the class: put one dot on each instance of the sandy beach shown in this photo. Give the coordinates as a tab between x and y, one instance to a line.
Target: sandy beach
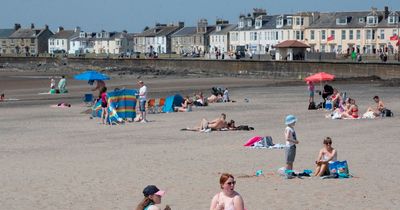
52	158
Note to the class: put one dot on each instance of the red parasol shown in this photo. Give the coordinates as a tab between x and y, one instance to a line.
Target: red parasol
319	77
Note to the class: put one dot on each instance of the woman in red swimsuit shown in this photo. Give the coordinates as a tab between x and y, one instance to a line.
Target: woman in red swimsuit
352	113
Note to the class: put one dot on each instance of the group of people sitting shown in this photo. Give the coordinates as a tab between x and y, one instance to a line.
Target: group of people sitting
198	99
346	108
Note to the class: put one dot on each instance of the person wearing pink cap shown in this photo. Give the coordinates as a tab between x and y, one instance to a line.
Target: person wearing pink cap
228	198
152	197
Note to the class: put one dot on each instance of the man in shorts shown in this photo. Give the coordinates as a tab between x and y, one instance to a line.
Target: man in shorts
142	100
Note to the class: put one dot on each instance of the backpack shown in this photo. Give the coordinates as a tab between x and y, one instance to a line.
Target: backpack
387	113
312	106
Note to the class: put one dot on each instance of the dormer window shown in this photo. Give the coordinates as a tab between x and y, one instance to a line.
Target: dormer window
342	21
241	24
361	20
258	23
289	21
218	28
393	19
249	23
279	22
372	20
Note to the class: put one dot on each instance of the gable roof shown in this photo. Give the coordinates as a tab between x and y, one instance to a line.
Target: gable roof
291	44
65	34
186	31
27	33
5	33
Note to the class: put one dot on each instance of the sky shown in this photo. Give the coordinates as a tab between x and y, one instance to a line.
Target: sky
135	15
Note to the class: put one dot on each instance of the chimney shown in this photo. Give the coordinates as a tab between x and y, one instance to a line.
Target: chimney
181	24
386	12
17	26
60	28
77	29
32	26
46	27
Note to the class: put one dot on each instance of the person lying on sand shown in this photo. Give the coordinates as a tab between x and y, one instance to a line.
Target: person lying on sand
206	126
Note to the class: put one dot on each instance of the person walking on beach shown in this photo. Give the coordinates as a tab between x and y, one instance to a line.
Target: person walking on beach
104	104
142	100
311	89
291	141
62	84
152	197
228	198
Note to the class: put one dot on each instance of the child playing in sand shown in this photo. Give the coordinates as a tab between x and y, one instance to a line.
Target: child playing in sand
291	141
104	105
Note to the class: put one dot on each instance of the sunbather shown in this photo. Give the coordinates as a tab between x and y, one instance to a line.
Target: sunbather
377	111
326	155
205	125
352	112
186	105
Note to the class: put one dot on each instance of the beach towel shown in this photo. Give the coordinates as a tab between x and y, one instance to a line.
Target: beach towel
263	143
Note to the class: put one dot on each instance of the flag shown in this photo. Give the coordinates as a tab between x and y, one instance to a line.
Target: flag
331	37
394	37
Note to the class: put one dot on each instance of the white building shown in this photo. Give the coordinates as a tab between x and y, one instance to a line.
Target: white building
83	43
220	38
60	41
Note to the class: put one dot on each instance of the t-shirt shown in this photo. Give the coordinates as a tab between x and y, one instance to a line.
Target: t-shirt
143	93
311	87
291	137
104	97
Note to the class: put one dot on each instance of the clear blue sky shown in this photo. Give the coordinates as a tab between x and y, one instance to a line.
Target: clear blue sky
134	15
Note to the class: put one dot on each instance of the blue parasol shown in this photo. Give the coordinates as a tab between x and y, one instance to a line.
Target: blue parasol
91	75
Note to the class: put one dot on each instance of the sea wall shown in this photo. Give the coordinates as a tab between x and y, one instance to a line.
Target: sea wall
249	68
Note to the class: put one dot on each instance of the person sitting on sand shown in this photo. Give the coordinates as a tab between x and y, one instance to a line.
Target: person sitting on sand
2	97
99	85
326	155
228	198
215	98
336	98
377	111
62	85
199	100
186	105
352	112
152	197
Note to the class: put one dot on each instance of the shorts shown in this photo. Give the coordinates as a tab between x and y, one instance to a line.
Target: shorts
142	105
311	93
290	154
103	104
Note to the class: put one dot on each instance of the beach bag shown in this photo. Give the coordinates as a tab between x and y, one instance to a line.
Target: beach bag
320	105
312	106
339	167
387	113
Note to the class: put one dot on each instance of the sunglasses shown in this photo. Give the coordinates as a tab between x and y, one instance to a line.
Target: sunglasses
231	183
329	143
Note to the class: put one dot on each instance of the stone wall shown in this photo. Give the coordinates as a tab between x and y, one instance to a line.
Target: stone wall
249	68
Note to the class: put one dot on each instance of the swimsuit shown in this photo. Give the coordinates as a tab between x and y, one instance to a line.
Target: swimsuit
354	112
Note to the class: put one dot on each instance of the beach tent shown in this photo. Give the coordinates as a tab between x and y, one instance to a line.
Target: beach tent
171	102
122	105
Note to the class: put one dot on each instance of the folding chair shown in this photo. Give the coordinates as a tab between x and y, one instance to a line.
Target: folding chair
160	105
88	99
151	105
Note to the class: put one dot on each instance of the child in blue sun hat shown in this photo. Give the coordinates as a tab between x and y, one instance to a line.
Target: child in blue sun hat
291	141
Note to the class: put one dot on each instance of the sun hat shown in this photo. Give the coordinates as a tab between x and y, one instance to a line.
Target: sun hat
290	119
152	190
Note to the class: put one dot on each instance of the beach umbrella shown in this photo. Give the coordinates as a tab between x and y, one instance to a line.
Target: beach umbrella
319	77
91	75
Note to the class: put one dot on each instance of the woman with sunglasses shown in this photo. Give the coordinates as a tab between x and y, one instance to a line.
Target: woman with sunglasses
326	155
228	198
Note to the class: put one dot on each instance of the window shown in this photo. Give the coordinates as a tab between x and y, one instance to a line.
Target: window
33	41
322	48
62	42
312	35
394	31
351	35
372	20
333	33
368	34
289	21
361	20
277	35
341	21
323	35
297	21
382	35
299	35
241	24
343	34
358	34
393	19
258	23
249	23
279	22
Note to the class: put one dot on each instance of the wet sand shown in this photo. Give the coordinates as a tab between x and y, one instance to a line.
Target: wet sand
53	158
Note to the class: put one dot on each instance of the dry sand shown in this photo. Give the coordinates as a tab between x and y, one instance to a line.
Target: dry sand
53	158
